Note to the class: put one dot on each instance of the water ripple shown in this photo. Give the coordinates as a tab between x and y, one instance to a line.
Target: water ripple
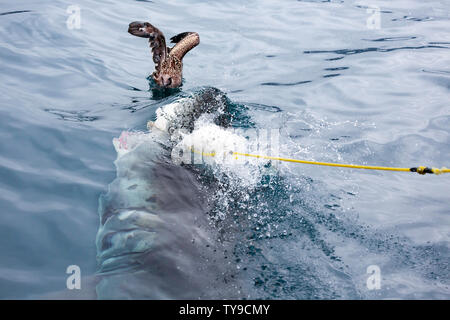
13	12
373	49
285	84
76	116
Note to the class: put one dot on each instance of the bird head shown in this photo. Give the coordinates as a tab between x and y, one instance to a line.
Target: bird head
170	74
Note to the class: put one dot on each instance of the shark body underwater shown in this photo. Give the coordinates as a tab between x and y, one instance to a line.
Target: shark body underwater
155	240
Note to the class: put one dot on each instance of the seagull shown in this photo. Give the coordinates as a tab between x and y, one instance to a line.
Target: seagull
168	61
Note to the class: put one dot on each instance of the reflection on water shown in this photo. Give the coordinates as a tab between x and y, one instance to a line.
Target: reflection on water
337	90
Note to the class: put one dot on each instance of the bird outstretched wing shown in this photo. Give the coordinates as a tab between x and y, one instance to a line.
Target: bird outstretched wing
155	37
184	42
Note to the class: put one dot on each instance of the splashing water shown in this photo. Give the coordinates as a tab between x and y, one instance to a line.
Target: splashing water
273	236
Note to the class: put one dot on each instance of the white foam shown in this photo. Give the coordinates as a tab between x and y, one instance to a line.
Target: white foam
215	146
172	113
213	140
211	144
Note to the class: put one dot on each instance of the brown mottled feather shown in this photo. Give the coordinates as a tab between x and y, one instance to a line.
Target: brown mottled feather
168	61
185	42
155	37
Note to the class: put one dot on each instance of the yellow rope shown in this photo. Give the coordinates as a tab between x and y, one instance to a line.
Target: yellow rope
419	170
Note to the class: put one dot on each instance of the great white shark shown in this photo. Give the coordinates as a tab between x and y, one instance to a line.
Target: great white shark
155	240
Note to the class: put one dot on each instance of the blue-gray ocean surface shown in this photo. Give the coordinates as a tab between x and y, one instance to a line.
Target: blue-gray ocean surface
365	82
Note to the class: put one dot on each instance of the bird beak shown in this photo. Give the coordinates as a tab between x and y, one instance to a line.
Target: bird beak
167	82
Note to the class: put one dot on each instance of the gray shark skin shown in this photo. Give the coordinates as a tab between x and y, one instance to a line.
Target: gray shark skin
155	240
